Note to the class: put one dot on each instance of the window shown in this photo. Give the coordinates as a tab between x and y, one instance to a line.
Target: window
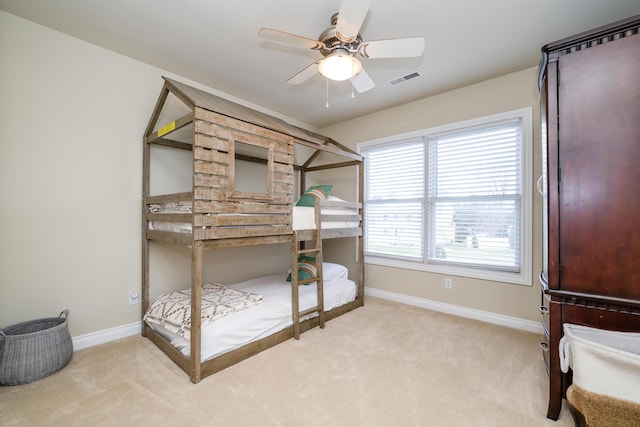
453	199
250	167
395	199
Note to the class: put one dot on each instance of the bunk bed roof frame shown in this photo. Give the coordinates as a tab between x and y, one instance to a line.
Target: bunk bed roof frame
319	148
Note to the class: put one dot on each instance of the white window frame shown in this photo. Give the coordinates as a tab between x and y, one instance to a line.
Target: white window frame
522	277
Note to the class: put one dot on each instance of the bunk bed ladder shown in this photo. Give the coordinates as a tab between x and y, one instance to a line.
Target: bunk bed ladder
297	249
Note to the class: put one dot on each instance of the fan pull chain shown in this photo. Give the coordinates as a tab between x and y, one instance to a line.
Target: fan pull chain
353	73
327	106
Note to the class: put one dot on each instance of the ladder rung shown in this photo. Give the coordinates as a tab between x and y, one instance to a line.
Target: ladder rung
315	309
306	251
307	281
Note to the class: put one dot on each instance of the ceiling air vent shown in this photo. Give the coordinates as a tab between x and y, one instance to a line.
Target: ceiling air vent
404	78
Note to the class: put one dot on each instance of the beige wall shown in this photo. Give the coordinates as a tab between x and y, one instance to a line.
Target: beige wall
71	122
506	93
72	117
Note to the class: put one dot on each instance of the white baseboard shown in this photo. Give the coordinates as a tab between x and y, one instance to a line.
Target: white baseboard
135	328
106	335
470	313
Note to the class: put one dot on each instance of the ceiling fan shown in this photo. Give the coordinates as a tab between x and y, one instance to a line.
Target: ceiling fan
341	45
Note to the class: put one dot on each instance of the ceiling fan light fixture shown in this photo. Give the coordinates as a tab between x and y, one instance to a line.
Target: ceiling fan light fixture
339	66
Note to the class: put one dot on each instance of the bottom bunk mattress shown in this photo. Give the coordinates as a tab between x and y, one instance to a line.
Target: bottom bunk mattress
267	312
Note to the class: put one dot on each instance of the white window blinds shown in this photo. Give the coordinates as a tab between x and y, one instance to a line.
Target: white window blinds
474	197
395	200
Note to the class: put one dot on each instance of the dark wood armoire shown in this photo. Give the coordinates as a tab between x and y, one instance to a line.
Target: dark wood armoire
590	112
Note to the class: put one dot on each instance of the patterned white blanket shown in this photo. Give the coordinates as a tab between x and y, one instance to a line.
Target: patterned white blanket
173	310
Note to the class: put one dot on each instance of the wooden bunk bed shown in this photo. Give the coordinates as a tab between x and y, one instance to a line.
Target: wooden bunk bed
220	213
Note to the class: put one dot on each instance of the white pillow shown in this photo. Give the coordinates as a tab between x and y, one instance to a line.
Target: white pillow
332	271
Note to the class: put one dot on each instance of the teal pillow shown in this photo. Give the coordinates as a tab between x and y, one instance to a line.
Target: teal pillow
307	268
313	193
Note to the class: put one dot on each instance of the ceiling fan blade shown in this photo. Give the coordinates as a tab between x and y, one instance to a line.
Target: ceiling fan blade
350	18
362	82
283	37
304	74
392	48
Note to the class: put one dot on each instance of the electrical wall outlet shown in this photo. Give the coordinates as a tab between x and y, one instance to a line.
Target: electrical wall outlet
134	297
448	283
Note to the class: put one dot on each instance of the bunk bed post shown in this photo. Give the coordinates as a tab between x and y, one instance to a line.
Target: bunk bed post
301	190
303	182
319	261
146	185
295	300
145	241
196	293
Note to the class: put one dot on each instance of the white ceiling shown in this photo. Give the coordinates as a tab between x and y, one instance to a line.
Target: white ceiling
216	43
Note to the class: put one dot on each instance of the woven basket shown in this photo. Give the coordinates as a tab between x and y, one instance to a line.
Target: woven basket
32	350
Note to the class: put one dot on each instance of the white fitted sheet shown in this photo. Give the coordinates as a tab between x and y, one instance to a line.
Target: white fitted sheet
272	315
304	218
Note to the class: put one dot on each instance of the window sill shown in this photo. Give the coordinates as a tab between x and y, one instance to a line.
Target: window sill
522	278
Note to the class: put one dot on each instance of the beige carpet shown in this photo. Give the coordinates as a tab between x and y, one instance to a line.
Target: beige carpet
386	364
